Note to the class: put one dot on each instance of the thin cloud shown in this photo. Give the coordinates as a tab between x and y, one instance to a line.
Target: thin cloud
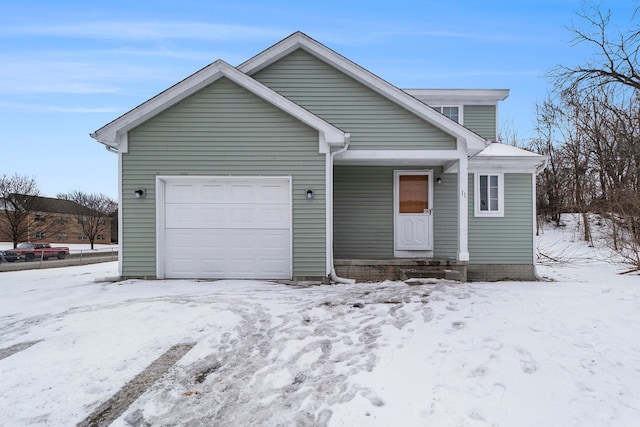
43	108
362	38
484	36
143	30
481	73
30	76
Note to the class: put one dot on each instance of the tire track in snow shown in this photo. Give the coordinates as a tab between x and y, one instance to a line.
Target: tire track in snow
284	368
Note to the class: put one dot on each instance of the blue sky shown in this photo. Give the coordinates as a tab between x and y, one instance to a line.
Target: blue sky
69	67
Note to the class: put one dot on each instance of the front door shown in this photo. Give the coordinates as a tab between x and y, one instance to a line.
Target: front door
413	217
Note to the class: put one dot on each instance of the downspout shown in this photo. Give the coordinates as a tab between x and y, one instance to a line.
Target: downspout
116	150
332	274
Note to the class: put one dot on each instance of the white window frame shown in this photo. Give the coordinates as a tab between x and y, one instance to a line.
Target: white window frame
476	195
439	108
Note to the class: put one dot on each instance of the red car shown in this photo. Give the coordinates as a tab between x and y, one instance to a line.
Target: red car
37	250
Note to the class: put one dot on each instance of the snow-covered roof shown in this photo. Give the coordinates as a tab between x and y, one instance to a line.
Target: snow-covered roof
498	149
506	158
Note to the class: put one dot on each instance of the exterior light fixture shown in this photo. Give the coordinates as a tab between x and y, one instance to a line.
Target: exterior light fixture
309	194
439	180
139	193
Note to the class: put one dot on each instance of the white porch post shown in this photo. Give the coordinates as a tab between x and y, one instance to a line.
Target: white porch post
463	208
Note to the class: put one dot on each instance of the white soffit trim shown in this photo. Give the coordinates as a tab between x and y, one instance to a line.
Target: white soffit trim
300	40
110	133
513	164
459	96
398	155
503	157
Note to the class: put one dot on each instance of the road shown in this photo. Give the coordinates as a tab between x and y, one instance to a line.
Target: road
70	260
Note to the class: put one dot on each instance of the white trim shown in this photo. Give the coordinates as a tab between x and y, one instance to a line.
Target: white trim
460	108
120	215
535	217
112	133
300	40
328	175
505	164
459	96
463	210
476	195
290	179
161	182
404	253
390	156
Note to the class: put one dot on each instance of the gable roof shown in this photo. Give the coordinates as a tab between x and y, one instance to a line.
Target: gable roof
299	40
115	133
46	204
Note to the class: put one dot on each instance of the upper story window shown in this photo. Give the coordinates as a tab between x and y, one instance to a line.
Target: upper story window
489	194
451	111
40	218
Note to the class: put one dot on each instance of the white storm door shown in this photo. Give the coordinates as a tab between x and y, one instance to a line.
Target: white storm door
413	217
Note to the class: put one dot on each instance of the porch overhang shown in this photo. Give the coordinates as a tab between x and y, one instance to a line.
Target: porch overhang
452	161
398	157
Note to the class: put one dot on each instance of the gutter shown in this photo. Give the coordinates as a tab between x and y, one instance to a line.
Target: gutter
109	148
332	269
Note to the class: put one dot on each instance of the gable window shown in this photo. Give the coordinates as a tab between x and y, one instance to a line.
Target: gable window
451	111
489	194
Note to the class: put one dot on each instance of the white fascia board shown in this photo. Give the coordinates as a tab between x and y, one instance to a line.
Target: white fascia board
510	164
111	134
372	81
398	155
460	96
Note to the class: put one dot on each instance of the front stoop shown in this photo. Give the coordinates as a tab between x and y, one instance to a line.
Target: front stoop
401	269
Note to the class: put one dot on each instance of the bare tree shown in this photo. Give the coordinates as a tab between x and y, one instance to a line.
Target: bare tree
615	60
17	205
552	195
93	211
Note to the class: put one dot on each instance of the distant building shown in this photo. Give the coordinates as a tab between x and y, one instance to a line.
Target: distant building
54	220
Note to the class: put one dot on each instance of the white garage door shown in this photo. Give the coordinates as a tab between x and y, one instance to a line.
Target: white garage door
228	228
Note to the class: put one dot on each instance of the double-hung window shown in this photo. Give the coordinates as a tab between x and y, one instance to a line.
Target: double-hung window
489	194
451	111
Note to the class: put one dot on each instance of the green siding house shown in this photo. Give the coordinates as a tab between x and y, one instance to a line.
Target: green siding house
300	164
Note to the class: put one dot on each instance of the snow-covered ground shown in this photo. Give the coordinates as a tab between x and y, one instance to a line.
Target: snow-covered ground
563	352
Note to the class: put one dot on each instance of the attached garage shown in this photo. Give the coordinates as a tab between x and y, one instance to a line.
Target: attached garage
224	227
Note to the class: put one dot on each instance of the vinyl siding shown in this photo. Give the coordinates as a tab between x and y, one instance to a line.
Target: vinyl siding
223	130
481	119
363	213
373	121
507	240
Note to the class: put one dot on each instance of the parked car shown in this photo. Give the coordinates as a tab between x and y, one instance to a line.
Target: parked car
8	256
30	251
